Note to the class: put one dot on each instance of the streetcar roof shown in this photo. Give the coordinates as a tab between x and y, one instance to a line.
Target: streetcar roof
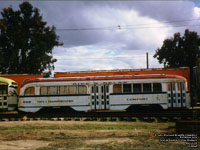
7	81
101	78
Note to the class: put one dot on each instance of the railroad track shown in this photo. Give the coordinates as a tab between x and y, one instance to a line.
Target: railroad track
159	116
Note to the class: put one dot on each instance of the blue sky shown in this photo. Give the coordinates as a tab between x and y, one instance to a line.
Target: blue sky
197	3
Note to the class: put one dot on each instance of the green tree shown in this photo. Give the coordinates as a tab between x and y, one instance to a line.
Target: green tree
181	52
26	42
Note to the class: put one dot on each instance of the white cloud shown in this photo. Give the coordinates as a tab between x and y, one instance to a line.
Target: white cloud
116	49
96	58
196	12
141	30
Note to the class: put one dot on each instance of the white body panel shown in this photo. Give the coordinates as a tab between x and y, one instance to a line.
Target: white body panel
80	103
100	95
119	101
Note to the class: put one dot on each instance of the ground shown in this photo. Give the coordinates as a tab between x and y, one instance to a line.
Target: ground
55	135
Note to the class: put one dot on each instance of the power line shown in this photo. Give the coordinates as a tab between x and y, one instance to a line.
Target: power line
119	27
128	28
137	26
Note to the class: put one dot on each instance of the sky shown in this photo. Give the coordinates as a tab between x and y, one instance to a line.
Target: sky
107	35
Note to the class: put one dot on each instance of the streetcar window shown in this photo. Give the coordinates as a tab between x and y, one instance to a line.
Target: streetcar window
29	91
147	87
82	89
126	88
137	88
157	87
72	89
178	86
117	88
168	87
52	90
43	90
92	89
107	88
97	89
173	86
3	89
63	90
183	86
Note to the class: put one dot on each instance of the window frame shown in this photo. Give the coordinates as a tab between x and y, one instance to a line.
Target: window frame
137	91
85	89
31	87
120	87
69	90
41	88
144	88
49	92
157	91
65	90
130	88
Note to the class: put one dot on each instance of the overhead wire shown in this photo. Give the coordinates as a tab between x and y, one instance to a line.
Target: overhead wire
136	26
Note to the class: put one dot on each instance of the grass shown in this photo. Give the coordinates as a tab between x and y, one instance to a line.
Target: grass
92	135
89	126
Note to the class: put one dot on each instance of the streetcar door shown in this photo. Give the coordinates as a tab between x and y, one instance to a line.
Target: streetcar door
175	95
105	96
171	95
94	96
100	96
3	96
183	94
180	95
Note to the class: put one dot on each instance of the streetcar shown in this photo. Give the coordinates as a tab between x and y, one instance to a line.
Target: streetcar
8	94
94	93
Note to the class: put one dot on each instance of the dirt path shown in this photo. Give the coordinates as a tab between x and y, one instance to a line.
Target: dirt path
53	135
22	144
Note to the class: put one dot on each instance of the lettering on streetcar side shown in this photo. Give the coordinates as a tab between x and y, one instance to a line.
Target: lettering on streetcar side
56	101
137	99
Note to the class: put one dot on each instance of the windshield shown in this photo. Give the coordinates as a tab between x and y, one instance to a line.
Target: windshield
12	90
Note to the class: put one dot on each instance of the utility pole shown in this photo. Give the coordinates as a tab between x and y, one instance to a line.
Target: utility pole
147	60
